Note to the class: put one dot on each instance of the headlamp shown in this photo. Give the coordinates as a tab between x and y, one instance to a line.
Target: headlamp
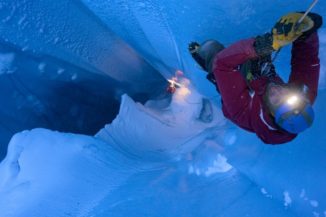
292	100
290	108
295	100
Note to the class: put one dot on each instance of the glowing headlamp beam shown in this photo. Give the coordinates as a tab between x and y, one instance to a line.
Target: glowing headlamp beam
293	100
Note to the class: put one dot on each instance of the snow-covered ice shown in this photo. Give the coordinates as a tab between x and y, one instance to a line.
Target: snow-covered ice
314	203
91	164
6	60
287	199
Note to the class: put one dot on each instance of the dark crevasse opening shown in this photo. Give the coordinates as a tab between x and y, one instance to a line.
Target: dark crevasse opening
43	91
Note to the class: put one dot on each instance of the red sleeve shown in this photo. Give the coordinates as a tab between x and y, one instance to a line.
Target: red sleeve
305	64
233	87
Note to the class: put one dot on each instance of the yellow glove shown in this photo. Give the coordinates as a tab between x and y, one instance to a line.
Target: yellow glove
286	29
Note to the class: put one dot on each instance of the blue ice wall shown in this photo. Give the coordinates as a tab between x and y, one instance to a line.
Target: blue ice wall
161	31
69	31
63	69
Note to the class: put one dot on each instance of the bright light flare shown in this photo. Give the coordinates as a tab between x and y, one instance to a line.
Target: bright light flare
293	100
180	85
173	82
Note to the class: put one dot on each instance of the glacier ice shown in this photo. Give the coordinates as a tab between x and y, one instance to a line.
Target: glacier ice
65	65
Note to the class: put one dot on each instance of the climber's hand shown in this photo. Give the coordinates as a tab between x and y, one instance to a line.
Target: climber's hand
263	45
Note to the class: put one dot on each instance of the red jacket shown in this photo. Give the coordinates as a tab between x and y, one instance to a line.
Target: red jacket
248	110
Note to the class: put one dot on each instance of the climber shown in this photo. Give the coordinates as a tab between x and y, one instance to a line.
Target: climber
253	96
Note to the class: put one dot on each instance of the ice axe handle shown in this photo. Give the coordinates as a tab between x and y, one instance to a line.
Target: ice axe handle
305	14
